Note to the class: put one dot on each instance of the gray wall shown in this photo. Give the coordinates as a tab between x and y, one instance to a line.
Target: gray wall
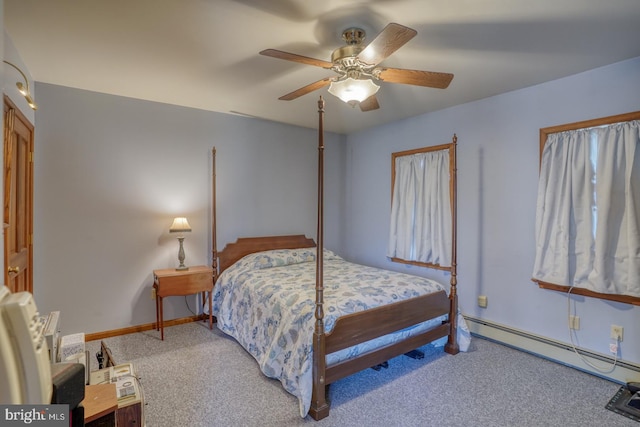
498	154
112	172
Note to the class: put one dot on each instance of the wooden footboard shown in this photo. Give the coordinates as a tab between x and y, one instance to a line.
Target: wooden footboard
366	325
356	328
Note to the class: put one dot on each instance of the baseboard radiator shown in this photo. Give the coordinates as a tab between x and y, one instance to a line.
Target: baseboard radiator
553	350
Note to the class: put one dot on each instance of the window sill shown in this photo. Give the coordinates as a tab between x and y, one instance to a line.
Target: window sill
421	264
626	299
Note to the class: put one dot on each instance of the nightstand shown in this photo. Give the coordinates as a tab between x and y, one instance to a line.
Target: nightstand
172	282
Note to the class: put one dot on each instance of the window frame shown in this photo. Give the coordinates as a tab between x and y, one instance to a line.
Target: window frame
452	195
544	133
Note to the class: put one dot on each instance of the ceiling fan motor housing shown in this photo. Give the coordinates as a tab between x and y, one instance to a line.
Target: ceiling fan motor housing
345	56
345	53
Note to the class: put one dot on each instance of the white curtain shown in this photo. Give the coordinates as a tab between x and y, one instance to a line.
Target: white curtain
588	211
420	227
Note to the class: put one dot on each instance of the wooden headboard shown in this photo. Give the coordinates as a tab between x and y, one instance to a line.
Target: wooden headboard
248	245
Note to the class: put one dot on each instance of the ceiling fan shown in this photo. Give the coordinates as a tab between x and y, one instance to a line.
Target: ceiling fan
358	70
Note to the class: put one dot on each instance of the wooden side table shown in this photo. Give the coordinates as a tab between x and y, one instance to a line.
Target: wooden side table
172	282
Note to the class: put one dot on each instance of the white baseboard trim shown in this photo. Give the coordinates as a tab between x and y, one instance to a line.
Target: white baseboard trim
553	350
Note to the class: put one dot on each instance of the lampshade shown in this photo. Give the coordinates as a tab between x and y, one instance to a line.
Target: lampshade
180	225
351	90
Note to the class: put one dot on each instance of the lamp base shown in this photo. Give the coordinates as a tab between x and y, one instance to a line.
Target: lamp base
181	266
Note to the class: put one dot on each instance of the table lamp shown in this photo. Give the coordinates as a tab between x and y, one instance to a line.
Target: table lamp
180	225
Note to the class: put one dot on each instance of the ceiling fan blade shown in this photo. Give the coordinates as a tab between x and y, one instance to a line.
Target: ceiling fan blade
415	77
371	103
390	39
274	53
306	89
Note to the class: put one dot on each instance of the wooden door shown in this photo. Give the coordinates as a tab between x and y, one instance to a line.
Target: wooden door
18	199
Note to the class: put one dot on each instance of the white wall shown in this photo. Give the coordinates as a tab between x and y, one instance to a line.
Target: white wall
498	154
112	172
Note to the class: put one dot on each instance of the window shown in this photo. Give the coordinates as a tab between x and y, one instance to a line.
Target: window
588	209
423	190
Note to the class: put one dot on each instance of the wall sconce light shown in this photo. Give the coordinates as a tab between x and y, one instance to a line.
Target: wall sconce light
352	90
24	88
180	225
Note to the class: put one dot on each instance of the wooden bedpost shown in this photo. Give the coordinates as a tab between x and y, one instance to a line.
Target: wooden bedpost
452	346
319	407
214	249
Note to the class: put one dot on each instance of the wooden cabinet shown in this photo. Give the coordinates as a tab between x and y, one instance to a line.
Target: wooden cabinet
100	404
129	416
124	411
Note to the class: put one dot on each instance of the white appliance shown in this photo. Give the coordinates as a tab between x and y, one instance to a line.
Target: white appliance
51	324
24	354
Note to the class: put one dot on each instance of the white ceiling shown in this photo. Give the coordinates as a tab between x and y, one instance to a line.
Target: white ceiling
204	53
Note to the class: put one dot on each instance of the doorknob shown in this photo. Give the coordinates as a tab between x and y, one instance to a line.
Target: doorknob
13	270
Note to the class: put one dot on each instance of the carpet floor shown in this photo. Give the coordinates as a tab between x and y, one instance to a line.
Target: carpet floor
201	377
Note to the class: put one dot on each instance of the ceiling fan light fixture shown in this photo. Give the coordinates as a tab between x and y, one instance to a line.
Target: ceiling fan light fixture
353	91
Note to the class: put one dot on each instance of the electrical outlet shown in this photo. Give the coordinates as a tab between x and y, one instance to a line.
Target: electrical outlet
613	348
616	332
574	322
153	293
482	301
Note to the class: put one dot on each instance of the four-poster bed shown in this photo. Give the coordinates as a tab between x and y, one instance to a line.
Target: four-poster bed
270	296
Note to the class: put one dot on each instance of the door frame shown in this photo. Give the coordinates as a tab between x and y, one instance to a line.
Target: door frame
11	114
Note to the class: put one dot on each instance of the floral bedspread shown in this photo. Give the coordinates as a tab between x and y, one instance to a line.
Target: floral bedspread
266	302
